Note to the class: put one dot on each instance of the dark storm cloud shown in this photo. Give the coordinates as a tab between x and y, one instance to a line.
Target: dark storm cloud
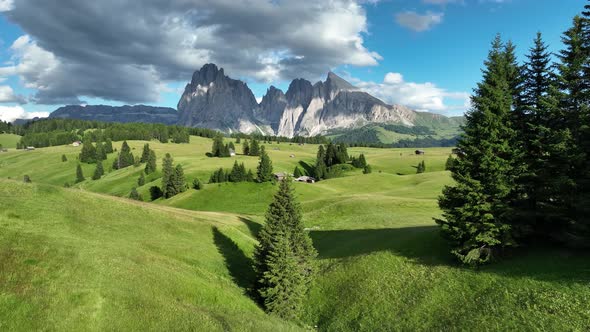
125	50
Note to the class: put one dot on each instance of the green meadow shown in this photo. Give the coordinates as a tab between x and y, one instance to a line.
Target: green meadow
86	258
9	141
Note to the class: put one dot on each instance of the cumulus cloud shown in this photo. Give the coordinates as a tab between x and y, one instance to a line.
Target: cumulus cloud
125	50
418	22
11	113
7	95
419	96
6	5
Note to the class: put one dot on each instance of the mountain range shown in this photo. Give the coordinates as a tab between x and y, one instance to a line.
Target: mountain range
214	100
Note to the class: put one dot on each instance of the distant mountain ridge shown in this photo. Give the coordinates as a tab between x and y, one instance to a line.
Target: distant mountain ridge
213	100
124	114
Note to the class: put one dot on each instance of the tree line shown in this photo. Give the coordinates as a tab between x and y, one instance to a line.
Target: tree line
523	174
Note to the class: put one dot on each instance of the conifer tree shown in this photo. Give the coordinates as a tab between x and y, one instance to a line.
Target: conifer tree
197	185
155	192
246	148
254	148
297	172
79	174
100	152
367	169
27	179
145	155
238	173
217	150
168	177
141	180
421	167
475	212
449	163
320	169
283	259
88	152
264	170
250	176
64	158
98	171
135	195
150	165
179	180
108	146
125	157
238	140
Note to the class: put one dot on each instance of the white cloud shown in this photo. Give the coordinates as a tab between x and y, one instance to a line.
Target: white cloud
6	5
11	113
7	95
419	22
262	40
419	96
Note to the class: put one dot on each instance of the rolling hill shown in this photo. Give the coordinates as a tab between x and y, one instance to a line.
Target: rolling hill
79	259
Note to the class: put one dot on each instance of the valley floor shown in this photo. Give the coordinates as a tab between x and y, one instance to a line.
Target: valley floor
84	259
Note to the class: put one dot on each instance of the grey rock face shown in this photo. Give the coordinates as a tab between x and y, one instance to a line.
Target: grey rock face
138	113
216	101
213	100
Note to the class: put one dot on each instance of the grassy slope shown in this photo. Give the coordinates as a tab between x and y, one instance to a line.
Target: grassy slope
9	141
383	265
76	261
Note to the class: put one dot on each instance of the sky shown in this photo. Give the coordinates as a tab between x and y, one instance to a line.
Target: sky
424	54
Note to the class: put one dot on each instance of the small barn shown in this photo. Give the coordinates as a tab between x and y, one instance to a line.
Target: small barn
30	148
281	176
232	152
292	156
306	179
420	152
76	143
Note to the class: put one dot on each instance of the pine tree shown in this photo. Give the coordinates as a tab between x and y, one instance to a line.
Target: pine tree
264	170
108	146
150	165
254	148
79	174
320	169
250	176
197	185
421	168
367	169
155	192
64	158
297	173
135	195
88	152
475	210
179	180
283	259
168	177
27	179
237	173
246	148
100	152
141	180
145	155
449	163
218	147
125	157
238	140
98	171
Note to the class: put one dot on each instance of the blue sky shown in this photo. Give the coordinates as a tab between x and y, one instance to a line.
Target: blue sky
425	54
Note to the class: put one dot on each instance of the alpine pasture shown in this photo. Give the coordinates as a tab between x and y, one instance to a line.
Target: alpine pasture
88	258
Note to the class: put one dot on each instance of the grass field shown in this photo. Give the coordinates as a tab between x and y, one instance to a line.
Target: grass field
9	141
382	263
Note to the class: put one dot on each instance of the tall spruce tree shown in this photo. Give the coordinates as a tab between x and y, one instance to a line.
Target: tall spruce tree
141	180
246	148
297	172
100	152
574	102
145	155
179	180
98	171
264	170
79	174
320	169
475	209
88	152
108	146
217	150
254	148
150	165
283	258
125	157
168	177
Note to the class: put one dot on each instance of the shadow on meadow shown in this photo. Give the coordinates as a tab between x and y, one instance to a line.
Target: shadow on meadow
425	246
238	264
253	226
